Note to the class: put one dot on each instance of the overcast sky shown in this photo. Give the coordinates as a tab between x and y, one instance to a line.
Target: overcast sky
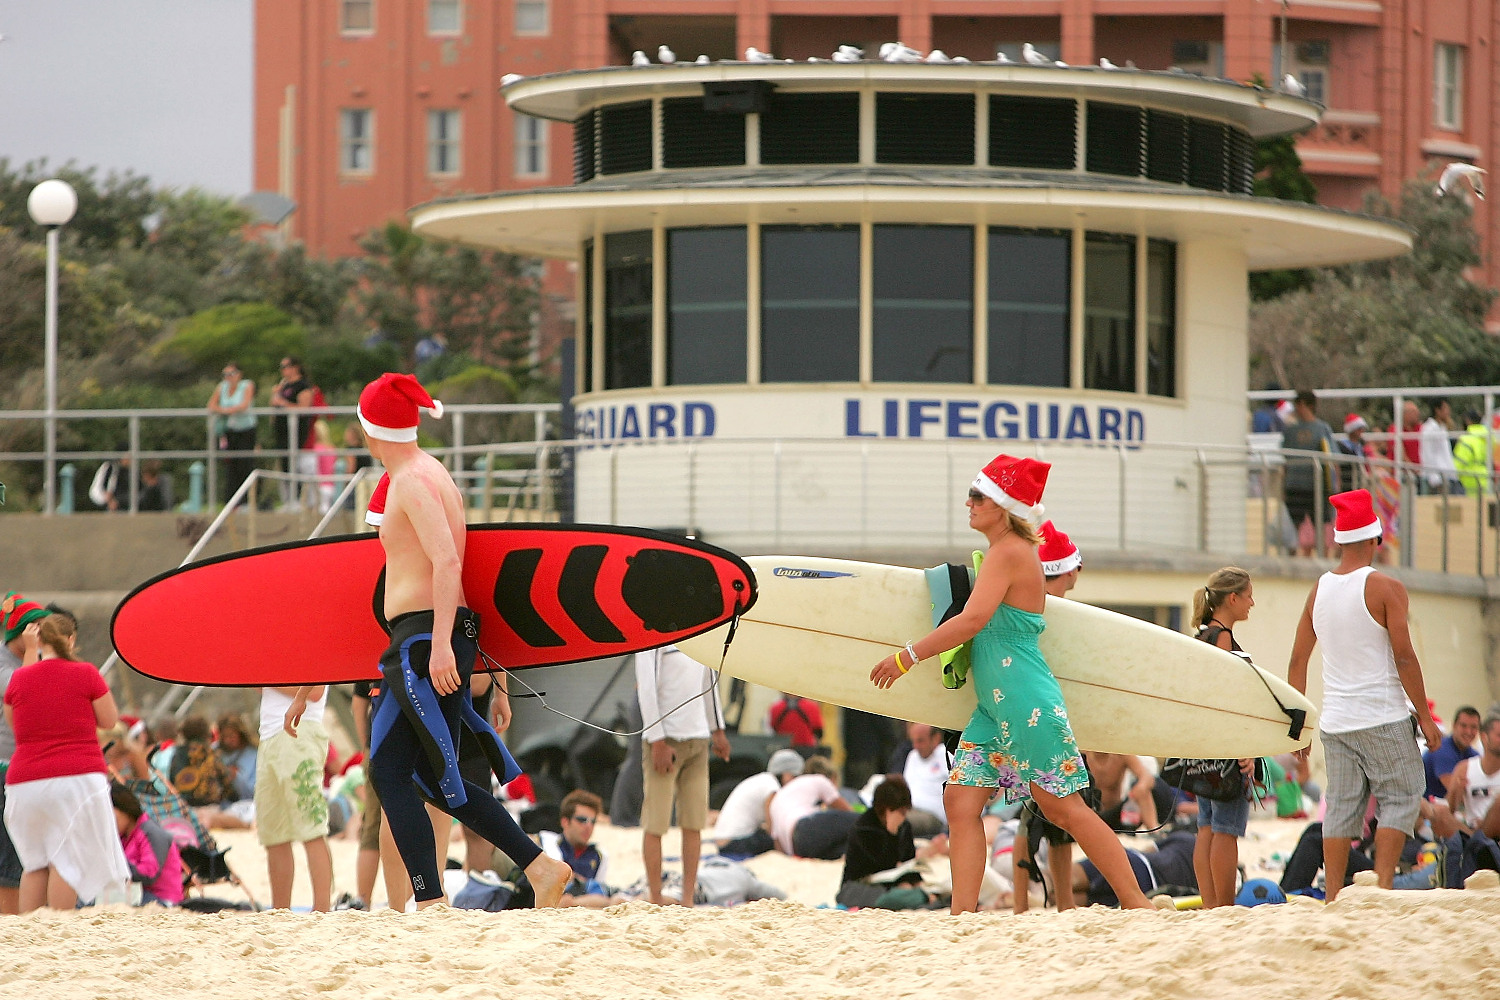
158	87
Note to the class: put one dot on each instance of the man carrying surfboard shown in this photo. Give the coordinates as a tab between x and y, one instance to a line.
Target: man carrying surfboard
1018	740
414	733
1371	681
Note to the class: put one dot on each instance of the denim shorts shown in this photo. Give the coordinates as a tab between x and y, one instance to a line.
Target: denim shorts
1224	817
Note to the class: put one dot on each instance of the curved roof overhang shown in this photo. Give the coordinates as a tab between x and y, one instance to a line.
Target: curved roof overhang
565	96
553	222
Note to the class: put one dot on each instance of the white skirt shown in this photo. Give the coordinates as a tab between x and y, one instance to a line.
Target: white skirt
68	823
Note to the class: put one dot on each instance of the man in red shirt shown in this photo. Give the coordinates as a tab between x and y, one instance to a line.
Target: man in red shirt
798	718
1411	431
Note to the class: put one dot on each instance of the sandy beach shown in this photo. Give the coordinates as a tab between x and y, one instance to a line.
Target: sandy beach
1370	944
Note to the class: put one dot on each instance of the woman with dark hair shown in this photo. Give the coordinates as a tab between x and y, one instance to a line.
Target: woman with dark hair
236	748
57	805
879	841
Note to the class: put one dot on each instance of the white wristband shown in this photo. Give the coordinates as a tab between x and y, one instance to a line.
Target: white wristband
912	653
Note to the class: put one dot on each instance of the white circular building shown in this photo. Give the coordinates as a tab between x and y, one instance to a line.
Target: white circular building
815	297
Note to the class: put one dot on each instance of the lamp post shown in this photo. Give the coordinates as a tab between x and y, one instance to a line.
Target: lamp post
51	204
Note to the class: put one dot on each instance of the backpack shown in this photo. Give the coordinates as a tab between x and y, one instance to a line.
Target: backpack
1463	855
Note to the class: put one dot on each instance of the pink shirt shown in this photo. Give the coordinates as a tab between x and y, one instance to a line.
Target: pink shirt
165	878
52	706
798	798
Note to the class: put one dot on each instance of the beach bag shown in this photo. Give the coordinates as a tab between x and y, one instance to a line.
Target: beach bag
483	891
1463	855
1219	780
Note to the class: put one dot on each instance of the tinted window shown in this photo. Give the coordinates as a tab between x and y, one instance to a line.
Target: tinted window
1109	313
586	384
627	310
706	306
1030	332
1161	318
924	304
924	128
810	128
809	304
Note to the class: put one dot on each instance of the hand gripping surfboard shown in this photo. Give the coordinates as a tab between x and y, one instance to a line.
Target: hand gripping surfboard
311	612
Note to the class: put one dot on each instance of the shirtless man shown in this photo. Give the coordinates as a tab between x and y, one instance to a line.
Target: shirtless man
1108	771
415	729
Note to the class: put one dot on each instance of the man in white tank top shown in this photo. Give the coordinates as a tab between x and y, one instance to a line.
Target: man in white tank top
1473	801
1371	680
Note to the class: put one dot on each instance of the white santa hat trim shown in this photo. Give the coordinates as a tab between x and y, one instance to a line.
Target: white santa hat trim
1033	515
1066	564
1371	530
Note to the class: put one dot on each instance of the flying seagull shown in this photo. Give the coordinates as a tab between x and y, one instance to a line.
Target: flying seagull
1453	171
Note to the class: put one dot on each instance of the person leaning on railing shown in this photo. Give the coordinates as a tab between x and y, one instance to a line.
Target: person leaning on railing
1471	454
234	424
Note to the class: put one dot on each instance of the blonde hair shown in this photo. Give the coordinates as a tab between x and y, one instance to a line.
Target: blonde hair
58	632
322	433
1207	601
1023	528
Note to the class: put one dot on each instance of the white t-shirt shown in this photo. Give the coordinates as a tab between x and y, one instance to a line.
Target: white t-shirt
925	777
798	798
745	809
1436	452
273	706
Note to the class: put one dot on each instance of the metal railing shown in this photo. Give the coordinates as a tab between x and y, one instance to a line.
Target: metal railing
147	429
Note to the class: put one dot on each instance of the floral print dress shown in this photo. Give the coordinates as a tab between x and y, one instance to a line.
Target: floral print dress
1019	731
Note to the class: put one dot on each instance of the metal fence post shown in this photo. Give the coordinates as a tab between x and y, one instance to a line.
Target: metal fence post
1202	501
1120	448
1265	507
209	454
134	423
65	488
456	457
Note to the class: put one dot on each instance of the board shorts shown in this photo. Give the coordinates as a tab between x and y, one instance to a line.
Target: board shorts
289	802
687	782
1019	732
1231	818
1382	761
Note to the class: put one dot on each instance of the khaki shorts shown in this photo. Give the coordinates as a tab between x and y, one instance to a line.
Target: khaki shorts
687	781
369	823
289	802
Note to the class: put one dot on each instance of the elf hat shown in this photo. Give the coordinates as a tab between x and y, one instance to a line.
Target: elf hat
375	513
391	407
1016	484
1355	520
17	612
1058	553
1354	422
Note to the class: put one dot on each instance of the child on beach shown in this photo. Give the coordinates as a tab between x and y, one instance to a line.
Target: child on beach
1018	741
152	854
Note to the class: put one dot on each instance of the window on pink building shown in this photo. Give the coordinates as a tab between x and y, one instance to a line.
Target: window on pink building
445	17
1448	87
531	146
356	141
357	17
445	133
533	17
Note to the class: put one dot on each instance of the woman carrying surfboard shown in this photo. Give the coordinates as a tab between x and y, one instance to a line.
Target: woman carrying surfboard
1018	740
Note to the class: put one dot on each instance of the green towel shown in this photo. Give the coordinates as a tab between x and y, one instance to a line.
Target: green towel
949	587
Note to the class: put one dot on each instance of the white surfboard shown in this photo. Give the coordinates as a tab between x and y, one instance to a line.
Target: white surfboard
819	626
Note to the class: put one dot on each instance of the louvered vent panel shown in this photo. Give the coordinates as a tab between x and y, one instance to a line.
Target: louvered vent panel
1115	140
1166	147
692	137
924	128
1034	133
583	147
810	128
625	138
1208	155
1241	162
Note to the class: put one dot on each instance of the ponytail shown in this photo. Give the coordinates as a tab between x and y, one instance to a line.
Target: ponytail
1207	600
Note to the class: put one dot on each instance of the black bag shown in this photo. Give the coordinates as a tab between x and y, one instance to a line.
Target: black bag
1219	780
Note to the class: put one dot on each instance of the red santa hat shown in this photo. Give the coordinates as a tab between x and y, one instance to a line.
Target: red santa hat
1016	484
375	513
1284	409
1355	519
391	407
1058	553
1354	422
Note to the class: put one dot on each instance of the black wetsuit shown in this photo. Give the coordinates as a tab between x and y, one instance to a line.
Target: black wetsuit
414	740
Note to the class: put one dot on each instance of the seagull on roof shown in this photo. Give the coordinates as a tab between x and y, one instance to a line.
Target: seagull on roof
639	58
510	78
1032	56
959	59
1293	86
701	61
665	56
1106	64
938	56
752	54
895	52
1001	57
848	53
1454	172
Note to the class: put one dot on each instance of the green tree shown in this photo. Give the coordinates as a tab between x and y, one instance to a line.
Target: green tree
1279	174
251	334
1410	320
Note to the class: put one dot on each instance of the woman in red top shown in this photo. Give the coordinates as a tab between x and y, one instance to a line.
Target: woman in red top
57	804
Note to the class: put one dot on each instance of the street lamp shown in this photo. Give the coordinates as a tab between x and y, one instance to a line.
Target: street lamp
52	204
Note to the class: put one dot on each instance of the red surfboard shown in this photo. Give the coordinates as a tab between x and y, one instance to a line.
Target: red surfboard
311	612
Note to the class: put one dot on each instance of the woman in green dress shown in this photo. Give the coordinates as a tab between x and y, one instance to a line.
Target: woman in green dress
1018	741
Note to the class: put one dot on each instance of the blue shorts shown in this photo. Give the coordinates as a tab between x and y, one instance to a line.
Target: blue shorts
1224	817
